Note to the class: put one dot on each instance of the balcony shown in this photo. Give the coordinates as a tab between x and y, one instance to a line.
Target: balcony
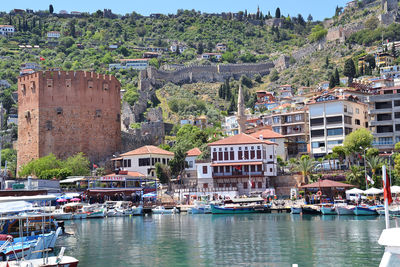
383	143
217	175
380	111
381	123
386	134
380	98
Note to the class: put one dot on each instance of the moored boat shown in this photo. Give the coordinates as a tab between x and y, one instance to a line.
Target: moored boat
295	210
364	211
232	209
310	209
345	210
163	210
328	209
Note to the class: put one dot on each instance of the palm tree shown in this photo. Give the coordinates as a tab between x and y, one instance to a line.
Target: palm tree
356	176
306	166
374	163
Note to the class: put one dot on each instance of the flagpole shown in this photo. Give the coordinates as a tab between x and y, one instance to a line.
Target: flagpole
386	199
365	170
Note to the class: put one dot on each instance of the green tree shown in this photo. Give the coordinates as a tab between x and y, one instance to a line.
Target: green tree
278	13
358	141
349	70
332	82
341	152
306	166
337	77
178	163
38	166
228	57
355	176
163	173
51	9
274	75
318	32
372	23
78	164
154	62
188	137
372	152
374	163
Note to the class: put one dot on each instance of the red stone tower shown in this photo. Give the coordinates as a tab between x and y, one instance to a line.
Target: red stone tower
66	112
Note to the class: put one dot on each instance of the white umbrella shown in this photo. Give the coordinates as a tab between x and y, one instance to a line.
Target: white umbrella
354	191
395	189
373	191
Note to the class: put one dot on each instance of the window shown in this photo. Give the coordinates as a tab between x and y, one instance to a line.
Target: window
259	185
317	144
345	108
163	161
245	185
226	155
205	170
252	168
258	154
240	155
298	117
59	110
276	119
190	164
317	133
215	169
49	83
334	120
90	84
221	169
276	129
246	155
347	131
317	122
337	131
357	111
232	155
347	120
227	169
129	163
144	162
252	154
270	169
335	142
205	185
357	122
220	156
289	119
215	156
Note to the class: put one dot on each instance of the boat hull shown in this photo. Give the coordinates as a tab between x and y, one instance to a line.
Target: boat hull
294	210
231	210
328	211
79	216
309	210
364	211
344	211
96	214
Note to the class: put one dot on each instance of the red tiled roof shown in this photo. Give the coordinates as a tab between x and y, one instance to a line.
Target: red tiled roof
267	134
135	59
148	150
326	183
194	152
240	139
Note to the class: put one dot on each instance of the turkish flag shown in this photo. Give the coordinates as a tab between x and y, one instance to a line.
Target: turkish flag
95	166
238	167
387	194
41	58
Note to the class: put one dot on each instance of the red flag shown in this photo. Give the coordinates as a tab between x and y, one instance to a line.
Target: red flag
238	167
95	166
41	58
386	189
359	156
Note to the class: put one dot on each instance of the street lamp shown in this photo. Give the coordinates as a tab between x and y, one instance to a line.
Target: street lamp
390	166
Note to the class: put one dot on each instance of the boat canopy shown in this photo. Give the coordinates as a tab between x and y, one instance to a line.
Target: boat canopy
395	189
15	206
246	200
28	198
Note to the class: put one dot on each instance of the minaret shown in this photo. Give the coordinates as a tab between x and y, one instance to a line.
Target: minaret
240	116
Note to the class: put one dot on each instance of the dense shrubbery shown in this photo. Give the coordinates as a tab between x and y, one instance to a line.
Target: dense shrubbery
370	36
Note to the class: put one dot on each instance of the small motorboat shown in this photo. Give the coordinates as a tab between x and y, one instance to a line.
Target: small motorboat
295	210
328	209
59	214
345	210
365	210
310	209
392	211
55	261
163	210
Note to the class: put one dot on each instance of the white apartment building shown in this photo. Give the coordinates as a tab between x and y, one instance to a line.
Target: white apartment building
54	34
331	118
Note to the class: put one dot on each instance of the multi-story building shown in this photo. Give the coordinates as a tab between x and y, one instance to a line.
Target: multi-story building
230	126
66	112
243	162
220	47
143	160
384	60
136	64
384	115
53	34
7	30
390	72
273	137
293	125
191	168
331	118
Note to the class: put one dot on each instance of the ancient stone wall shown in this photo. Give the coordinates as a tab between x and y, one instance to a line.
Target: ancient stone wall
65	113
150	133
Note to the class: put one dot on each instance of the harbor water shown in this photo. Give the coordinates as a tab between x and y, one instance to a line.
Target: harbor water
225	240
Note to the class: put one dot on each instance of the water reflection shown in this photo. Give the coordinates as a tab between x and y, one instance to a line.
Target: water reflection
226	240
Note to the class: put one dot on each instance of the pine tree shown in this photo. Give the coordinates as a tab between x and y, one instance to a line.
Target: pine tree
349	70
232	105
228	93
51	9
332	82
337	77
200	48
278	13
362	70
10	20
308	83
310	18
327	62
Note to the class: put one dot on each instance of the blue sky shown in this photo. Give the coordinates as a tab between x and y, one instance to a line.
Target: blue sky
319	9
